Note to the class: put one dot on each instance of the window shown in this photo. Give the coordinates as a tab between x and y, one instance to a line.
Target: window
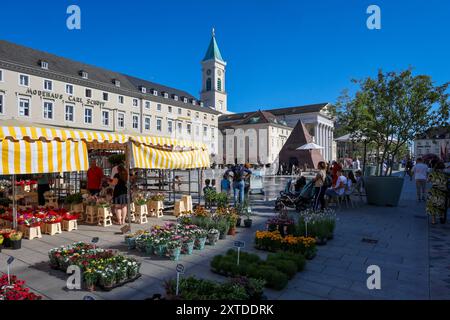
48	110
147	123
169	126
135	121
1	75
189	128
180	111
24	80
88	115
208	84
44	64
197	115
212	118
116	82
105	96
120	98
84	74
121	119
205	116
88	93
24	107
197	131
180	127
194	102
219	84
213	133
175	97
205	131
185	100
2	99
147	104
143	89
105	118
69	89
189	113
201	104
155	93
169	109
69	113
158	124
158	107
135	103
48	85
166	95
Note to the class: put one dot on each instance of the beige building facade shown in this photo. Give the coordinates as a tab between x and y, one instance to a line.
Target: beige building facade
43	89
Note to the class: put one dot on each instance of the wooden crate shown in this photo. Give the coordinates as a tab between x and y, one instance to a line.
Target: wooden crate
69	225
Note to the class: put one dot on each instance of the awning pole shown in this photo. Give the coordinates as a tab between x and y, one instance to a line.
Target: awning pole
128	165
14	201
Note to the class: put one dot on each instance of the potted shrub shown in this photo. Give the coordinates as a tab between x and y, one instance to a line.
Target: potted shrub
223	226
75	202
16	240
388	112
221	200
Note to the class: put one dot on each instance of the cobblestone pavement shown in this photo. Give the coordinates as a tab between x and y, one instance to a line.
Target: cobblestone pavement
404	244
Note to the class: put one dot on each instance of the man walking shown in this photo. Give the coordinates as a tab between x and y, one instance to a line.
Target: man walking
420	172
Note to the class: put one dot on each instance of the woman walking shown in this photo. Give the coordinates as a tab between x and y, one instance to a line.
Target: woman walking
320	187
120	194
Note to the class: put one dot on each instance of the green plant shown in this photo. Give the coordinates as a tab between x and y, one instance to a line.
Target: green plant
288	267
16	236
297	258
223	226
74	198
221	200
117	159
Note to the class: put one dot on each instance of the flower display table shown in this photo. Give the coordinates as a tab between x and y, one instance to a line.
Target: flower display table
69	225
78	207
32	232
52	228
91	214
179	208
104	216
187	200
141	214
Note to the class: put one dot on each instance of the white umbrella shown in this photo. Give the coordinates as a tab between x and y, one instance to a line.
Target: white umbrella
310	146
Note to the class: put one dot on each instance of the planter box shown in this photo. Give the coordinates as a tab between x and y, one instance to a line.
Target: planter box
187	200
52	228
156	208
140	216
77	208
383	191
32	232
104	216
179	208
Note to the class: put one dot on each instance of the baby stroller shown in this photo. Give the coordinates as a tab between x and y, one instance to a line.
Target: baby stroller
288	198
305	198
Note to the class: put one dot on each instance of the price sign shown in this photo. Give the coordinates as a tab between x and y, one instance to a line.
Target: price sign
239	244
180	268
10	260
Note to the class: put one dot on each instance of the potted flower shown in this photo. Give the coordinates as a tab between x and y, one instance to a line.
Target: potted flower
140	204
133	268
107	277
16	240
248	221
187	244
160	245
149	245
213	236
223	226
75	202
174	248
200	239
90	279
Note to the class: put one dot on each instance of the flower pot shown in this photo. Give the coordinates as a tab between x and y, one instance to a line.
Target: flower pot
131	243
90	286
213	238
7	243
200	243
132	274
232	231
149	249
16	244
238	222
188	247
383	191
160	249
174	253
248	223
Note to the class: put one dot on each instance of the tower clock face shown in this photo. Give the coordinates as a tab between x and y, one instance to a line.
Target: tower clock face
219	72
208	72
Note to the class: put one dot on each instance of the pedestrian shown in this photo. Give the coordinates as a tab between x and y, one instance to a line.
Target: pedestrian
335	167
43	186
207	186
213	184
420	172
408	168
239	174
120	194
320	186
225	184
94	178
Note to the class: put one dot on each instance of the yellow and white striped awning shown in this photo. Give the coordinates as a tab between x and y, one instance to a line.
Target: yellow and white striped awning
168	142
147	157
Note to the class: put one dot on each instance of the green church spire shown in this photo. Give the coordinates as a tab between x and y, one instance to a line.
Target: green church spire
213	51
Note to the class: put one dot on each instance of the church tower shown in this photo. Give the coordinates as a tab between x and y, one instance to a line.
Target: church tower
213	92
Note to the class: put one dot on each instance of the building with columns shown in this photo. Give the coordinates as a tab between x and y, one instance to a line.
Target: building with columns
316	119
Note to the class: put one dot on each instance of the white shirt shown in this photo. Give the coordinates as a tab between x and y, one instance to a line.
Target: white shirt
114	170
341	180
420	171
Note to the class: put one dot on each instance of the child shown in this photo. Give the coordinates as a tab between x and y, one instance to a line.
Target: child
225	184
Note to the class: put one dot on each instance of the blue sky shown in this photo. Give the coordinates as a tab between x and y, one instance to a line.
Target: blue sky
279	53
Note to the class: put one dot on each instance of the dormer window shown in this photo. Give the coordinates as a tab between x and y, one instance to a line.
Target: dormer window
175	97
194	102
201	104
116	82
155	93
166	95
185	100
44	64
143	89
84	74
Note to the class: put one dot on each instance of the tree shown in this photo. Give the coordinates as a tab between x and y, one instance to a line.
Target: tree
391	109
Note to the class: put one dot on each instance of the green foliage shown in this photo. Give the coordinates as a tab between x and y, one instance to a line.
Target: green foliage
297	258
74	198
221	199
117	159
392	109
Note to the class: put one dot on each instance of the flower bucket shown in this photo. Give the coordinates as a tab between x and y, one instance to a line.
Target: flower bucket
188	247
149	249
213	238
132	273
131	243
174	253
200	243
160	250
16	244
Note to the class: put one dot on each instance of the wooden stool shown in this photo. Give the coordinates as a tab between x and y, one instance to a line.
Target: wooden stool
32	232
77	207
187	202
179	208
69	225
91	214
53	228
104	217
156	208
141	214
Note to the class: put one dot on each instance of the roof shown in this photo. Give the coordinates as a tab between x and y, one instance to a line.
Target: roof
251	118
213	51
14	53
275	112
436	133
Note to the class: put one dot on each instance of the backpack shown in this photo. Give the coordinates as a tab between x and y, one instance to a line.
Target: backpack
237	174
